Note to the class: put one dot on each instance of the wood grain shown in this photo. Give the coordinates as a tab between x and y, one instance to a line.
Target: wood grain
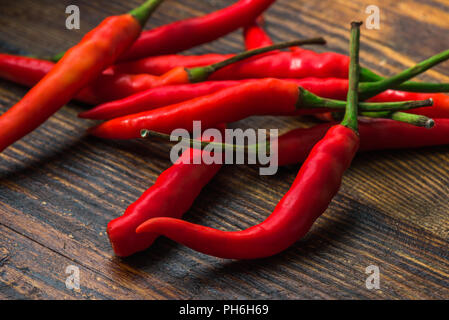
60	187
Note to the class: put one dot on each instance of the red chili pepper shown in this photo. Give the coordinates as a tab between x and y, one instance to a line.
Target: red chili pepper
316	184
298	64
375	134
98	49
182	75
186	34
163	96
171	196
254	36
155	98
314	187
261	97
23	70
235	103
107	87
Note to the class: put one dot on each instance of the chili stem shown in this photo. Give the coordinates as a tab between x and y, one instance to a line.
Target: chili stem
350	117
410	118
199	144
309	100
143	13
202	73
370	89
366	75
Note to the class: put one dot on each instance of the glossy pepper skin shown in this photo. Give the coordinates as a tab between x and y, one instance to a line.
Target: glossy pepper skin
314	187
279	64
293	147
297	64
155	98
171	38
108	86
171	196
81	64
332	88
167	95
269	96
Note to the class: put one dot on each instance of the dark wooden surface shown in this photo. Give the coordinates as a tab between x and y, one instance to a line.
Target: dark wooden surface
60	187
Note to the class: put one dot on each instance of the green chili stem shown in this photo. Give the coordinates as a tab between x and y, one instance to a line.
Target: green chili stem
367	75
350	117
414	119
199	144
202	73
143	13
370	89
309	100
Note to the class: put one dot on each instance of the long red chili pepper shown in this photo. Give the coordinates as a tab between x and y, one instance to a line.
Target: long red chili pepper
327	88
163	96
255	37
186	34
171	196
262	97
80	65
375	134
299	64
368	90
314	187
182	75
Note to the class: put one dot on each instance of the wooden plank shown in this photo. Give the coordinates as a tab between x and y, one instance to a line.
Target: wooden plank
60	187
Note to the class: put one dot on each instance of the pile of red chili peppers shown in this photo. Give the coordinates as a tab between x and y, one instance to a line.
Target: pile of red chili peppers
141	86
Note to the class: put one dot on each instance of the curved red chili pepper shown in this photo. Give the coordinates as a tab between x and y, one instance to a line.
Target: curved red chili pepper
293	147
170	196
186	34
314	187
316	184
98	49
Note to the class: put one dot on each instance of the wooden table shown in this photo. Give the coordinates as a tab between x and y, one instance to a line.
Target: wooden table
59	187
